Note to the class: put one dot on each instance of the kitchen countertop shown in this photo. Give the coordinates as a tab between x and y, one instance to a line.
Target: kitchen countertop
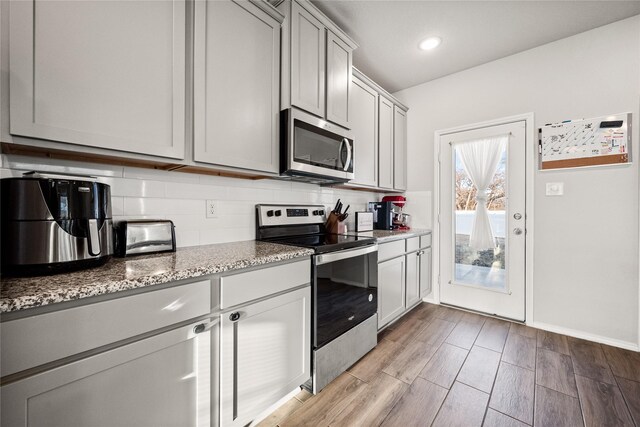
120	274
383	236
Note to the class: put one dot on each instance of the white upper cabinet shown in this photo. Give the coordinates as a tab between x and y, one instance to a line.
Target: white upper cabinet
107	74
364	125
338	80
307	61
399	148
236	84
316	63
385	123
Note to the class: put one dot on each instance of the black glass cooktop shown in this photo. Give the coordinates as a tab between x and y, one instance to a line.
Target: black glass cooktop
323	243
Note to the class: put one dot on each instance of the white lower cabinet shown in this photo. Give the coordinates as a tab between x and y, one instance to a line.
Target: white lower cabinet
425	272
404	276
265	354
163	380
413	279
391	289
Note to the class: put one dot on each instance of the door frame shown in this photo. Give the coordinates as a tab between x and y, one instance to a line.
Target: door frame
530	158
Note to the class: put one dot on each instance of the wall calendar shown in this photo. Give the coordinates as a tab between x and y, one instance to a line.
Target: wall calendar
589	142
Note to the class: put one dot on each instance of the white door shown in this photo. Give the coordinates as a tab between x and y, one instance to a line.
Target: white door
482	250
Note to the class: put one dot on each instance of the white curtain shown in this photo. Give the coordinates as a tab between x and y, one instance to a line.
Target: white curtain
480	159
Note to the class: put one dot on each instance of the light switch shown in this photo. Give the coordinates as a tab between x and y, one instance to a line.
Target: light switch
555	188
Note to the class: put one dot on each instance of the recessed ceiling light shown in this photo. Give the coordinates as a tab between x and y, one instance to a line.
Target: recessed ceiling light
430	43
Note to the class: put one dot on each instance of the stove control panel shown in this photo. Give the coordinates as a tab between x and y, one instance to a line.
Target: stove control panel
273	215
297	212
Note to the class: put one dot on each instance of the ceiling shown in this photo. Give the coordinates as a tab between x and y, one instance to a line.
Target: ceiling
472	32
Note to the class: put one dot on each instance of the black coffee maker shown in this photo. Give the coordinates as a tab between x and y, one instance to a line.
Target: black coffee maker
382	215
54	223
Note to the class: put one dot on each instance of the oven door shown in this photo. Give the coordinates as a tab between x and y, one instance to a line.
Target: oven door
316	147
345	291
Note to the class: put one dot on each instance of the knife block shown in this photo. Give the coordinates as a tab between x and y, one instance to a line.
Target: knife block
333	225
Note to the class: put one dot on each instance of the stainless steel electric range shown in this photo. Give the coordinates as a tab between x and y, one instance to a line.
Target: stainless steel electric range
344	281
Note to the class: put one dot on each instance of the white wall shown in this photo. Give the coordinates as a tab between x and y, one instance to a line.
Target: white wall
181	197
586	242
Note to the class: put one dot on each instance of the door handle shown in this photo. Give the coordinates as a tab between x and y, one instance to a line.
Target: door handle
348	161
517	231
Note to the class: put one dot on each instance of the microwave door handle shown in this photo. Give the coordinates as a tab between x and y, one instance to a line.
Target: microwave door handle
348	161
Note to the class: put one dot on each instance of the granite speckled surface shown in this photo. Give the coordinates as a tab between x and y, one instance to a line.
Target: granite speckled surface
383	236
121	274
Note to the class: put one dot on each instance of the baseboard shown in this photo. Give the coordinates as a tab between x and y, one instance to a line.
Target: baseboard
586	336
569	332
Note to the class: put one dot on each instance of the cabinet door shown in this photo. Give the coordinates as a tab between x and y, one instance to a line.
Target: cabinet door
307	61
236	85
399	148
385	171
338	80
364	125
265	354
413	279
162	380
425	272
391	289
107	74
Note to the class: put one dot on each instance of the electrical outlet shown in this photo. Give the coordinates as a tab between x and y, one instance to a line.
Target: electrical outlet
212	209
555	189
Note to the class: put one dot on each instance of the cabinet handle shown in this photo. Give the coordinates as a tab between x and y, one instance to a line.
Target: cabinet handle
234	316
201	327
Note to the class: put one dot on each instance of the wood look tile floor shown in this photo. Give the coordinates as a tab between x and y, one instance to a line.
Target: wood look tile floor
445	367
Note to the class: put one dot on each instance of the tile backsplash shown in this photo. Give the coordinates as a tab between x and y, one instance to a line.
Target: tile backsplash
181	197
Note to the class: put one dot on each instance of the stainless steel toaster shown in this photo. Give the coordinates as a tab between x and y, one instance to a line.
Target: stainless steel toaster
135	237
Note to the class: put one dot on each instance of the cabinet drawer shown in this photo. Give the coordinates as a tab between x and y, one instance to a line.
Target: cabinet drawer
33	341
390	250
244	287
425	241
413	244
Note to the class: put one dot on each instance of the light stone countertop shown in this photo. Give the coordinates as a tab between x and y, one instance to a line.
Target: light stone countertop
120	274
384	236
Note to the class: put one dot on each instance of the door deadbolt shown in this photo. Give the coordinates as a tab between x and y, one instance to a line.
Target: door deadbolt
517	216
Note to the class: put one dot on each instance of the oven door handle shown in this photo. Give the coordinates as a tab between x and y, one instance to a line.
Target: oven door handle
351	253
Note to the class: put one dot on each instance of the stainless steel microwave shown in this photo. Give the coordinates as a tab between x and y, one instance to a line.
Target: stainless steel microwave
313	149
